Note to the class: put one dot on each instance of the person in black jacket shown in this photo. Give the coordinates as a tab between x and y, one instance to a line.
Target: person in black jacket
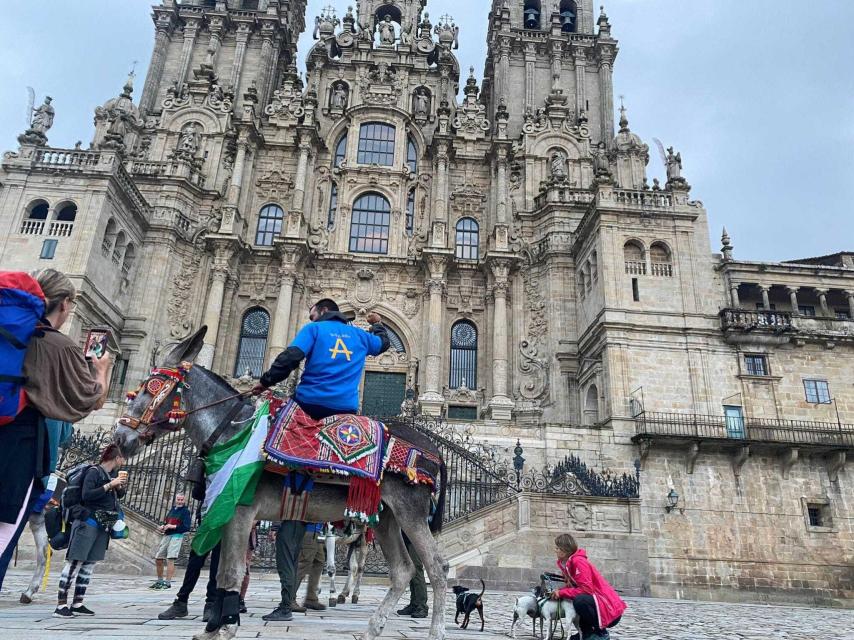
90	532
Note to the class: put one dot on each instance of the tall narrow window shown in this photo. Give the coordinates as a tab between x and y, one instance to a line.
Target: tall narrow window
468	239
269	225
341	150
410	212
48	249
333	206
370	226
411	155
376	144
253	343
463	355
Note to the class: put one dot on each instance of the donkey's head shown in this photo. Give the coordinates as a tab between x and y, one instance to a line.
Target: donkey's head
157	405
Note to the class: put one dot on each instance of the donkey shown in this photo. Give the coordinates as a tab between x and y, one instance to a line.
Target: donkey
211	403
36	523
357	556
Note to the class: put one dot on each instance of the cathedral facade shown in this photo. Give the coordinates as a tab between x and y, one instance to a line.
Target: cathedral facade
539	286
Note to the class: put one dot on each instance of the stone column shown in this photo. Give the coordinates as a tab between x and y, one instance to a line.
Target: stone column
504	45
191	30
151	88
793	298
302	172
606	93
282	319
580	94
822	300
733	289
213	308
500	406
234	187
242	37
268	33
530	80
501	186
432	400
850	295
439	233
766	302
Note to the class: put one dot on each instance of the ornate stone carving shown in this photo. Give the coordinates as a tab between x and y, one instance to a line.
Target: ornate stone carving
41	121
287	107
534	382
274	186
470	120
176	97
363	292
182	298
411	303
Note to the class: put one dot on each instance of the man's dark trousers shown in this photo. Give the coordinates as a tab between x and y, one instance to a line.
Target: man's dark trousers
288	546
194	570
418	585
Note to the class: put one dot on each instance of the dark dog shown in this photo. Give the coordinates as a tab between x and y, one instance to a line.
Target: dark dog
468	602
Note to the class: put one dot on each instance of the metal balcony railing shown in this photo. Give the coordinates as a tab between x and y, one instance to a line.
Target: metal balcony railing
745	429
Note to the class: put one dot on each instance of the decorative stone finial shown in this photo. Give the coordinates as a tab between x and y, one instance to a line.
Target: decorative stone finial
624	120
604	25
471	84
726	246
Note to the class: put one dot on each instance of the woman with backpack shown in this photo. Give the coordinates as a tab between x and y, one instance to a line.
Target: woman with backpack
56	381
101	489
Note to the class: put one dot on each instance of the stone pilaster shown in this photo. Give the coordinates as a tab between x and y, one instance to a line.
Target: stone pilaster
290	258
606	92
219	273
242	38
432	400
191	30
500	406
580	91
164	24
793	298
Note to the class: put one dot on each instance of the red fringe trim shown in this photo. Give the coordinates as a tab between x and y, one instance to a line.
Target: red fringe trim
363	499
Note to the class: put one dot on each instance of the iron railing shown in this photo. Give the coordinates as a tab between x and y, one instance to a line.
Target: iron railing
792	432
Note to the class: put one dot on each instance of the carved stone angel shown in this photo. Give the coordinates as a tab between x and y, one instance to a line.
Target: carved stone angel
43	117
674	166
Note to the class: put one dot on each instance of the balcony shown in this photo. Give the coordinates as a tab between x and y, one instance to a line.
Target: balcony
55	228
740	435
177	168
779	327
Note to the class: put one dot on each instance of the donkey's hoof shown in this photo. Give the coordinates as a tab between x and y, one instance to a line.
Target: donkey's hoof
333	602
227	632
355	599
25	599
206	635
341	599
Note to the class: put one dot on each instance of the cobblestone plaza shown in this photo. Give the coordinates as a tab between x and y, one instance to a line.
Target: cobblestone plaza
126	609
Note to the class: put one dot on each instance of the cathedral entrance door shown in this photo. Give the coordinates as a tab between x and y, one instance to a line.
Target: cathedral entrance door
383	393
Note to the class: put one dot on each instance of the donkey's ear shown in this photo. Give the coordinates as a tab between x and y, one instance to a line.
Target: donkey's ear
188	349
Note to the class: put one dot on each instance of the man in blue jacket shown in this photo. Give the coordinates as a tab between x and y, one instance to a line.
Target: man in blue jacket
179	521
334	352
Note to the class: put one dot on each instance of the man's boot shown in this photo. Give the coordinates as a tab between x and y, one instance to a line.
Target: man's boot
420	612
314	605
407	610
206	612
178	609
297	608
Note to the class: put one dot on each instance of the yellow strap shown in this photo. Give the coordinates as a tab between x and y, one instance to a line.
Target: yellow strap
46	569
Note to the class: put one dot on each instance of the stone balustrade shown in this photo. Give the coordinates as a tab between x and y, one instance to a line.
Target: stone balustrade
67	158
636	267
32	227
168	169
54	228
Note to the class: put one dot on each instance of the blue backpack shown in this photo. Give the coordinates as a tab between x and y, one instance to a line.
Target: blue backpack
21	308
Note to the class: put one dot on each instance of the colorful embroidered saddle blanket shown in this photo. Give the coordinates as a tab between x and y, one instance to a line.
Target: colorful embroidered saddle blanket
342	444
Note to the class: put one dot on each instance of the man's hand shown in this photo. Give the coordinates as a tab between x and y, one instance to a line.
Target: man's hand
102	365
555	595
258	389
374	318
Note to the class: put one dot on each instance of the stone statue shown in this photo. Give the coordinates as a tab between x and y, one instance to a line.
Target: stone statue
43	117
386	31
189	144
601	166
339	96
674	166
559	169
421	103
406	35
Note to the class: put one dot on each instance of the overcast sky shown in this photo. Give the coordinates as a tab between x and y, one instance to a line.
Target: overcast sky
758	95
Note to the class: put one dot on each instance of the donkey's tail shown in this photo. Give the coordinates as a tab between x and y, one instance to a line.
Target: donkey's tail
439	513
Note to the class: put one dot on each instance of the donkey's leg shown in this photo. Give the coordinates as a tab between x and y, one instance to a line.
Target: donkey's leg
36	522
419	534
357	567
400	570
232	567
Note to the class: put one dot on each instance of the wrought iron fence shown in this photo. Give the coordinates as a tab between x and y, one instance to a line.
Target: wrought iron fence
802	432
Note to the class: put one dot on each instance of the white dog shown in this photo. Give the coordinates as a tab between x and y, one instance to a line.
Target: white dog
528	606
554	611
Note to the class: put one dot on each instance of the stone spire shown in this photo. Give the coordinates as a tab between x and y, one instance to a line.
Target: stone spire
726	246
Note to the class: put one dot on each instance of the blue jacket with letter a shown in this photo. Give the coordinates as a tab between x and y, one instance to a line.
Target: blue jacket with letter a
335	354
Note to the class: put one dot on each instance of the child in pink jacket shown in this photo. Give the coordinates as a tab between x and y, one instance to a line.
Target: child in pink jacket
597	604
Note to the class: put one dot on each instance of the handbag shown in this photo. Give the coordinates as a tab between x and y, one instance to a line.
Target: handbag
105	519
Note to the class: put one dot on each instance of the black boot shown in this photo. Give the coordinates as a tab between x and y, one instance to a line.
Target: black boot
407	610
206	613
230	608
215	619
177	610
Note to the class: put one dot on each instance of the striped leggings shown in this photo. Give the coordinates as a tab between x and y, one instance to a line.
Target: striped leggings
82	571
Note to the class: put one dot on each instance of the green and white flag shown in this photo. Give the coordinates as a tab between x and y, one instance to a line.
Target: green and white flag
233	470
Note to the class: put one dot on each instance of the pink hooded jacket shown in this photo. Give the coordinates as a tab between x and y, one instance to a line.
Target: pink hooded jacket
582	577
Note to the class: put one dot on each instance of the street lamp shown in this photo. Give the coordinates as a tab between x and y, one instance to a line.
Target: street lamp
518	461
672	500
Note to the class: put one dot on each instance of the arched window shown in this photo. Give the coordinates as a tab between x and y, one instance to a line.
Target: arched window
109	238
333	206
463	355
410	212
376	144
340	151
568	16
253	343
67	213
411	155
119	248
635	258
531	14
130	256
395	340
662	261
269	225
370	226
591	405
38	210
468	239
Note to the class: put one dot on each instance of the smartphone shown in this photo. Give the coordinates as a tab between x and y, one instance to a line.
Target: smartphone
96	343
